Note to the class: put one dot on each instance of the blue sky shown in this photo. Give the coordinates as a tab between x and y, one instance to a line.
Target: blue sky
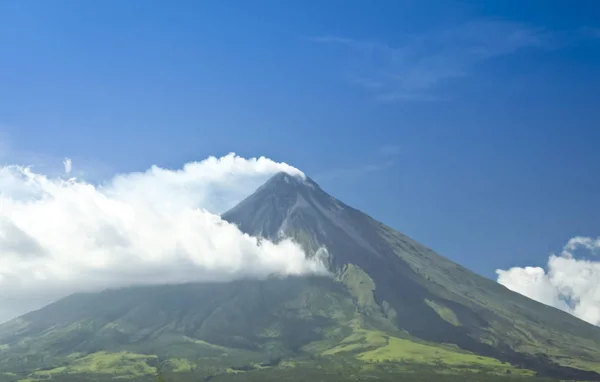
471	126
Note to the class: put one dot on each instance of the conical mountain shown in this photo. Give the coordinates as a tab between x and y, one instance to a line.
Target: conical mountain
429	296
292	206
392	305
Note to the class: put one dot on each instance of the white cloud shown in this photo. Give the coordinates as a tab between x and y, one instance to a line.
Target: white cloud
570	284
580	241
68	165
59	236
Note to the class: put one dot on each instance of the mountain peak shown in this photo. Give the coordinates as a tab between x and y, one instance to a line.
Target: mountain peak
284	180
285	203
294	206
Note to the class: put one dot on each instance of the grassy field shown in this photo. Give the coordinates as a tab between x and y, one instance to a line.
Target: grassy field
122	364
377	347
363	353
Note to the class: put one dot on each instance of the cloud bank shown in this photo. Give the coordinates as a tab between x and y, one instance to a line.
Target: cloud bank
61	235
570	284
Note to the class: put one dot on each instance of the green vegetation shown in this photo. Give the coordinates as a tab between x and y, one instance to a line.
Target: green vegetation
179	365
401	350
360	285
303	374
445	313
317	369
122	364
377	347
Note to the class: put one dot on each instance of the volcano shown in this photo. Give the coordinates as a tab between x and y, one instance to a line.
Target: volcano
390	304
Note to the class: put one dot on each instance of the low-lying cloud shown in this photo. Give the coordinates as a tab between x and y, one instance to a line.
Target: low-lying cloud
62	235
569	283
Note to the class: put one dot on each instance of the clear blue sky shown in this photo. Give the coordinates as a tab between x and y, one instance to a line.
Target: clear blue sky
473	127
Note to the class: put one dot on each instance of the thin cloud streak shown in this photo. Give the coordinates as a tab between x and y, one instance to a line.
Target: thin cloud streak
419	64
353	172
390	150
388	155
68	165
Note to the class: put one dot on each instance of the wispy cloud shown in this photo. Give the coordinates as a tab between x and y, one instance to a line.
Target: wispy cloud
589	32
68	165
418	64
390	150
386	157
353	172
12	152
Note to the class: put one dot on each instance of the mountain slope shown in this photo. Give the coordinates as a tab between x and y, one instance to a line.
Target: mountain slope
423	288
238	322
391	304
213	330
